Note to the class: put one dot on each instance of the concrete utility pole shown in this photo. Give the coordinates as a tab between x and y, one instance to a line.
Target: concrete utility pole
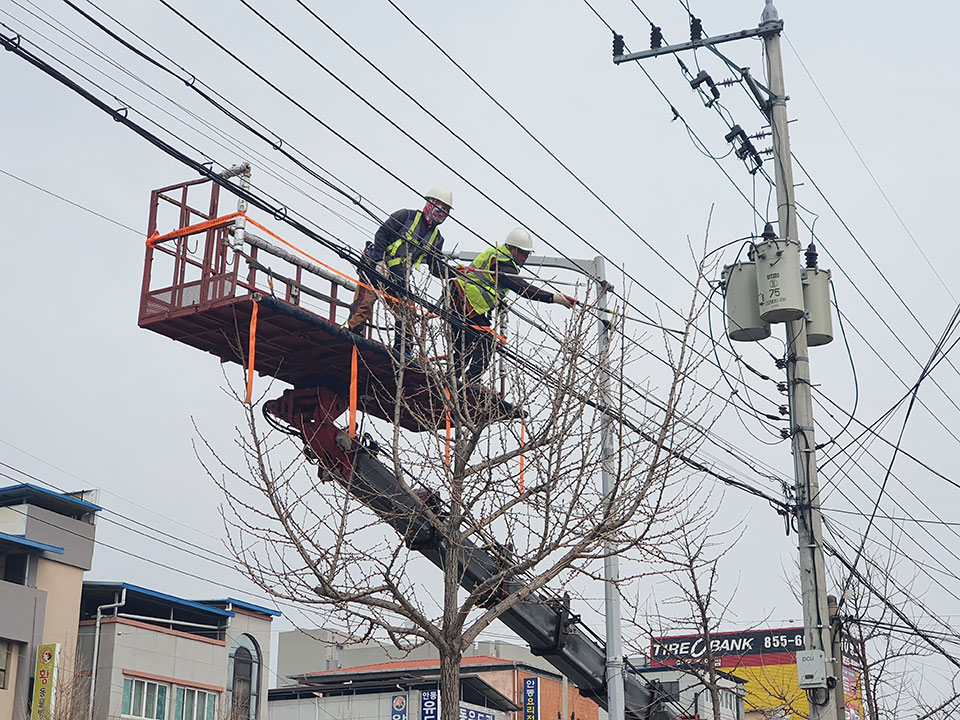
813	582
816	664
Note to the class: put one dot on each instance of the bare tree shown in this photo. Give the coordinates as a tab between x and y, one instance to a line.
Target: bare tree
692	563
877	651
317	544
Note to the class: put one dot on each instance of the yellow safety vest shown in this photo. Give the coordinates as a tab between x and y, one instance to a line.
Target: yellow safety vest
395	256
479	282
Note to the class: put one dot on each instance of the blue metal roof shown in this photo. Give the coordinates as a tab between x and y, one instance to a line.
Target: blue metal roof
56	501
160	596
244	605
21	540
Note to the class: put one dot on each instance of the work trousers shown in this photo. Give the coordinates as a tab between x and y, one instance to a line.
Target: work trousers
365	297
473	342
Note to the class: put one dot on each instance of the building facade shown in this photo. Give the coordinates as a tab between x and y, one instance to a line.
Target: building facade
688	696
153	655
490	689
310	653
46	544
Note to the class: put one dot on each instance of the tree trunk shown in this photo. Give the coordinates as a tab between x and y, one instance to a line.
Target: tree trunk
449	685
451	649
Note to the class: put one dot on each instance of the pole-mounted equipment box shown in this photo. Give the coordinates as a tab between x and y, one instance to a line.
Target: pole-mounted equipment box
778	280
741	298
816	298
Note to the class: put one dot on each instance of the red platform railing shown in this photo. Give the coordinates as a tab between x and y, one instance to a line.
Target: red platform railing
202	270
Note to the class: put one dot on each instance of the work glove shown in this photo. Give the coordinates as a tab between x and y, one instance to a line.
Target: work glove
383	269
565	300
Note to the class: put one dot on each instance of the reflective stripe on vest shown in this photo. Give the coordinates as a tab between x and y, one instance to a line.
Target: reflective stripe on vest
393	250
479	283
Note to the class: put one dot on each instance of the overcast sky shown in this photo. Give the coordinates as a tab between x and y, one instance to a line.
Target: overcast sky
91	401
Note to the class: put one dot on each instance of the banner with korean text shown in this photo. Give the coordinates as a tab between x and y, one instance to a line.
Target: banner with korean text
45	681
531	698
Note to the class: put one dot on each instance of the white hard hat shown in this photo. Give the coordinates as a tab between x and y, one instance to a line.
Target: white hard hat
440	194
520	239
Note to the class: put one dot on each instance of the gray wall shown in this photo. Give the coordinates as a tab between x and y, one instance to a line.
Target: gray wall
147	650
74	536
127	647
22	613
42	525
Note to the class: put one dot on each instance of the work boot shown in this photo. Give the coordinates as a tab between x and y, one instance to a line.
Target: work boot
358	330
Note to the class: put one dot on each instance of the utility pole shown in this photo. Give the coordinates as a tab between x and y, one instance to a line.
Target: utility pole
813	581
611	565
816	663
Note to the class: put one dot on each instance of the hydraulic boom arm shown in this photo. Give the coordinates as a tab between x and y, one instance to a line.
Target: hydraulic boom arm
546	624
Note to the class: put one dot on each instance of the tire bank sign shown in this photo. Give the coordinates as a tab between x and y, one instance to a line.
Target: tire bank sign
766	659
730	650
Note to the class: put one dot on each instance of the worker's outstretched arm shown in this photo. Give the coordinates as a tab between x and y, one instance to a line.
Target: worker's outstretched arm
508	278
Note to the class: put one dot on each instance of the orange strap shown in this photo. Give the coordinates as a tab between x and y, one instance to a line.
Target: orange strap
252	352
522	463
191	229
352	427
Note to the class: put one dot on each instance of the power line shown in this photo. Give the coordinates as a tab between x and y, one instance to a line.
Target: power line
863	162
655	356
883	320
71	202
276	143
907	596
939	349
175	117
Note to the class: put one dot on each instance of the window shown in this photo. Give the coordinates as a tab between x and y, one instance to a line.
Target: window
671	689
15	568
144	699
244	675
4	662
195	705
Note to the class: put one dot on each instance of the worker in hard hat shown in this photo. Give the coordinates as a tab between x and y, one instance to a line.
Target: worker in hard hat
405	241
479	288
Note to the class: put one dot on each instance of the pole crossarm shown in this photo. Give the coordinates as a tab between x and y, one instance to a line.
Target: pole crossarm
764	30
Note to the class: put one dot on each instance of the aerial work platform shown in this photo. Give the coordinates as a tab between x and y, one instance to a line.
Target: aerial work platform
212	282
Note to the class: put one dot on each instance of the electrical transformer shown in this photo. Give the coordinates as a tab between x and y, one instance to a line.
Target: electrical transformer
778	280
742	306
816	298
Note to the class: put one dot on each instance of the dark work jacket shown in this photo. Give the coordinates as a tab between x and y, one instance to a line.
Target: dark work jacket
396	227
508	278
